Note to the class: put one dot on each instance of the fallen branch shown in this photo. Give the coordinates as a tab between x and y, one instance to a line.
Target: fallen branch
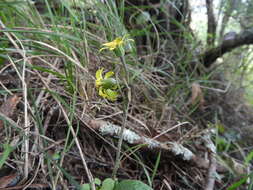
210	180
232	42
107	128
211	172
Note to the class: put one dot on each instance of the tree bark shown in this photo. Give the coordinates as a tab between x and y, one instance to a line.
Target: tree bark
225	19
211	23
244	38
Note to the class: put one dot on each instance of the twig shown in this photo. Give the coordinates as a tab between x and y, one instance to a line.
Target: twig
170	129
210	181
211	172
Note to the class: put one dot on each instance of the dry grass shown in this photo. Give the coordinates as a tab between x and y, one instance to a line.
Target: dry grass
50	70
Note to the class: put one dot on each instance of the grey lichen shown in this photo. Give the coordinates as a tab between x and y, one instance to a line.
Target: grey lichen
130	136
179	149
109	129
209	143
151	143
114	130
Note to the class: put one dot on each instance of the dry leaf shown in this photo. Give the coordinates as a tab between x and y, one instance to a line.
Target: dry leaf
197	96
8	107
9	180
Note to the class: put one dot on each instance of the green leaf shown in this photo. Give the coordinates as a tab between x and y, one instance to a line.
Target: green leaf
156	166
56	156
132	185
222	144
97	181
109	83
220	127
85	186
237	184
119	51
7	150
108	184
111	95
248	158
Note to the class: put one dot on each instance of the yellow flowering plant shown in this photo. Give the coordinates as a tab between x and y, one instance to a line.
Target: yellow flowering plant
117	45
106	85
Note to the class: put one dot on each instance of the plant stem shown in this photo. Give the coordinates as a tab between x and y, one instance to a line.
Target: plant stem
122	59
117	162
125	112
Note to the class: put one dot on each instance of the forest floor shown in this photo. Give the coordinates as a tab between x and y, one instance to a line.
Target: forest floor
58	131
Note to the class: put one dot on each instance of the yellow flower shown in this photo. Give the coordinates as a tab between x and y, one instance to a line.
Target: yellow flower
106	85
109	94
118	42
112	45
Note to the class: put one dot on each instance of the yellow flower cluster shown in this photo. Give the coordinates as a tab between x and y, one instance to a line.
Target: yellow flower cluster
106	85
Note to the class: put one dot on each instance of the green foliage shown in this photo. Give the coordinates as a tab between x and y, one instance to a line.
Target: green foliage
85	187
133	151
132	184
68	176
156	166
222	144
110	184
225	139
6	152
56	156
249	158
237	184
3	50
107	184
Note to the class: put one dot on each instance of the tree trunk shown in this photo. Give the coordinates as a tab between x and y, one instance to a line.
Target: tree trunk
211	23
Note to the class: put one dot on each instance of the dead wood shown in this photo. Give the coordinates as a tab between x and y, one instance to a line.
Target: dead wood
211	172
243	38
131	137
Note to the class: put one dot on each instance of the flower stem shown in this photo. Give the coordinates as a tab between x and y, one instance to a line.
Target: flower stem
117	161
122	59
125	112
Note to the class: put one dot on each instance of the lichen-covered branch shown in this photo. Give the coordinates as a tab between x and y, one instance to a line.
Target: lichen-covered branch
131	137
107	128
